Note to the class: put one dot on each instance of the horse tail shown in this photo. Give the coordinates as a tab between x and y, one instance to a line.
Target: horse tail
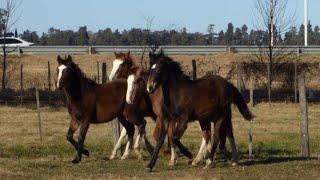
238	99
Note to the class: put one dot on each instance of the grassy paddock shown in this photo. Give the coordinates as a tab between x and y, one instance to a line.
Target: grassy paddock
275	133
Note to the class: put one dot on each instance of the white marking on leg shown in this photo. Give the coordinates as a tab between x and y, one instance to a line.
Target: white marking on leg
60	68
200	155
118	144
137	145
127	150
130	82
173	159
115	66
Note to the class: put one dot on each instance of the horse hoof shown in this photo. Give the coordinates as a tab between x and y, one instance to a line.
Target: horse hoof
86	152
149	169
111	157
76	161
194	163
172	163
125	156
234	163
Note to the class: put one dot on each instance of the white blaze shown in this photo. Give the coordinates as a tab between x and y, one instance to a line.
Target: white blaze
115	66
130	82
60	68
154	66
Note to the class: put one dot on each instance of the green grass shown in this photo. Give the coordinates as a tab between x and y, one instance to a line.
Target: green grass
276	146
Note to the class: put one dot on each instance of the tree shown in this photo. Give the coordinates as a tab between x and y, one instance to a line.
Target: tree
275	19
211	32
229	34
8	20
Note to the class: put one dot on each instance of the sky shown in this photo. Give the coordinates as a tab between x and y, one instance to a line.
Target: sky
40	15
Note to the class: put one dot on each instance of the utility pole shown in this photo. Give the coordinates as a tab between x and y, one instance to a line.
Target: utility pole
305	22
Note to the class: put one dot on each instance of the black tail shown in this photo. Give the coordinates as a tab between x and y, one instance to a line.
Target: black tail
237	99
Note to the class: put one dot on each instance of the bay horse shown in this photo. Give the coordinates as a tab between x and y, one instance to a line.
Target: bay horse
207	100
122	67
136	84
88	102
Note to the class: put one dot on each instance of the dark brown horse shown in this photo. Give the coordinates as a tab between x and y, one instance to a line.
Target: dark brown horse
207	100
137	84
123	66
89	102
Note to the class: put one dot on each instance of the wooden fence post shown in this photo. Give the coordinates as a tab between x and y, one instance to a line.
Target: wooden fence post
305	149
239	75
49	76
21	83
39	117
98	69
104	73
295	82
251	105
115	123
194	69
269	82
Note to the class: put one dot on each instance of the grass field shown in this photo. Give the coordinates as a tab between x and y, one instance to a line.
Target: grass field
35	67
276	140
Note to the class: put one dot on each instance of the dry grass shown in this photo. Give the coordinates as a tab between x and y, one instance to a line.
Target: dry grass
36	73
275	134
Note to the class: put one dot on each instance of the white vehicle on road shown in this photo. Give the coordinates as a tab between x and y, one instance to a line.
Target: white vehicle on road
14	42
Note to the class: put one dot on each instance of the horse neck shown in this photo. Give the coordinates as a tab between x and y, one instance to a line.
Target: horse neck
74	90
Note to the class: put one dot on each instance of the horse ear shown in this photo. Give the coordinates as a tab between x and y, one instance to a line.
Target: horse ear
115	53
69	58
59	59
128	54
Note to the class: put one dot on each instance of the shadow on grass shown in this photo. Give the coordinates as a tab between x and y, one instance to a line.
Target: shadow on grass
274	160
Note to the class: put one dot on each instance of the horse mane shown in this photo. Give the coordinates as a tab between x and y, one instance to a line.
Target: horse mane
85	82
173	68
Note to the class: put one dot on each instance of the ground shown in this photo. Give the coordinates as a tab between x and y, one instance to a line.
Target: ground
276	140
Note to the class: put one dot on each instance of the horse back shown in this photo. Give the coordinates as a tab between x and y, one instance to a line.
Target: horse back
110	100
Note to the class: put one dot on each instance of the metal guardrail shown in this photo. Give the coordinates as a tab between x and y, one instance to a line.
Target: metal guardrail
167	49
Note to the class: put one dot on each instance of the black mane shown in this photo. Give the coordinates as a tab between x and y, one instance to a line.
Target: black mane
173	68
85	82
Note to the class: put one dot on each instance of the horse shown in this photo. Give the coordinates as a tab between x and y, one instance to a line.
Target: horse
137	83
122	67
91	103
207	100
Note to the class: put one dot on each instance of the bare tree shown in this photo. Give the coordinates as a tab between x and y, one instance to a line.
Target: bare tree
273	17
8	20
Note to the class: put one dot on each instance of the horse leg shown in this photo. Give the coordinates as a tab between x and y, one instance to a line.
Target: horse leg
118	144
216	140
174	157
180	129
162	134
74	125
84	126
223	135
142	135
205	126
130	131
235	153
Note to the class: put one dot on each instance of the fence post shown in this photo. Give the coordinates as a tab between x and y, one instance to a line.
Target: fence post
49	76
238	66
251	92
115	123
39	117
98	69
269	83
305	149
104	73
252	105
21	83
295	82
194	69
